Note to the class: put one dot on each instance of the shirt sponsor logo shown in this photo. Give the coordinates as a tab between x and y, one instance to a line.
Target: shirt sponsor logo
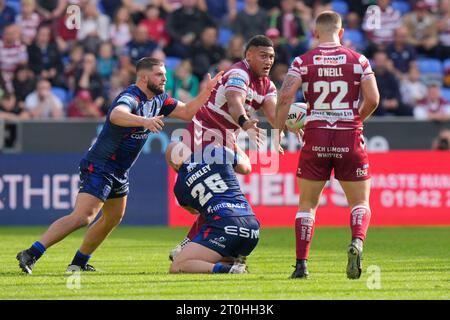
139	136
362	172
236	82
242	232
330	60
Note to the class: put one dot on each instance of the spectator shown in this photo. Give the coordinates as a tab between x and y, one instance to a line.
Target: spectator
12	53
7	16
281	53
442	141
184	25
433	106
10	110
65	33
390	98
422	28
278	73
28	20
83	106
353	25
401	53
235	51
155	26
181	83
444	29
44	58
42	103
106	62
24	83
3	88
94	27
116	86
270	6
75	60
51	9
381	35
251	21
88	78
412	88
206	52
292	30
121	29
141	46
222	65
136	9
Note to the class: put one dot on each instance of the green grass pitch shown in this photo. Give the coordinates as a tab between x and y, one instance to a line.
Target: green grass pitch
414	263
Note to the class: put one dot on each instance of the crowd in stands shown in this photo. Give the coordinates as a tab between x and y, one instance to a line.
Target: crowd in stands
54	66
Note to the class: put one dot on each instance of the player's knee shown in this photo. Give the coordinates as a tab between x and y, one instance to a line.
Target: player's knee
175	268
82	220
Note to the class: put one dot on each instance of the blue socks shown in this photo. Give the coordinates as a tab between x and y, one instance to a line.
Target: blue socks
80	259
37	250
221	268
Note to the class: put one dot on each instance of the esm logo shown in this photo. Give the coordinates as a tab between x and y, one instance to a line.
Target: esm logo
242	232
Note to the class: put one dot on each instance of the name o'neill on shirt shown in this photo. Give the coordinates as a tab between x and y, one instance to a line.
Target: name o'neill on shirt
330	72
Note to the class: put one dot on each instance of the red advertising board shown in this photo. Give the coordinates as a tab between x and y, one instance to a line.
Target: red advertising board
408	188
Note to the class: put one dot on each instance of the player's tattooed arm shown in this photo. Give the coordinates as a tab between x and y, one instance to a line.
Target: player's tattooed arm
286	96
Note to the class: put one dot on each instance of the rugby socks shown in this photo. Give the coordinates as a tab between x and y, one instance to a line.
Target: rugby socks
36	250
359	221
80	259
304	230
221	268
196	227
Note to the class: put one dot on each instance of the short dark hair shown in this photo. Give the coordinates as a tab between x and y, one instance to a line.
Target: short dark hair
148	63
258	41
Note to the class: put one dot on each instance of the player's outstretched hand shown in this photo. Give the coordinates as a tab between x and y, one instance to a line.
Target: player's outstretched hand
211	83
256	135
154	124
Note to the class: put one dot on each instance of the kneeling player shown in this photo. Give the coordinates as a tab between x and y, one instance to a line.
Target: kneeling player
231	230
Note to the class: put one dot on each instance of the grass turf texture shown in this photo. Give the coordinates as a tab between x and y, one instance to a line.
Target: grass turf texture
133	264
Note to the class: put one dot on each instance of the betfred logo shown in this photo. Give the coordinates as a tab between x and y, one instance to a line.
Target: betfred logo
330	60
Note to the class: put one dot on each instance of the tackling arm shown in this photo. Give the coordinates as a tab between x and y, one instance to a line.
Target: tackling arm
286	96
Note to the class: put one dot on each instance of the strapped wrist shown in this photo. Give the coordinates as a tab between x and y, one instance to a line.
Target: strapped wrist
242	119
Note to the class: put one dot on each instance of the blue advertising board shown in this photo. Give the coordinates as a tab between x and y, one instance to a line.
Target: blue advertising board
36	189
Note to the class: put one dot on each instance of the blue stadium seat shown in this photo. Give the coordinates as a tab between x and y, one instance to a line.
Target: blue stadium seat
172	62
61	93
340	7
427	65
225	35
402	6
356	37
446	93
15	4
240	5
447	65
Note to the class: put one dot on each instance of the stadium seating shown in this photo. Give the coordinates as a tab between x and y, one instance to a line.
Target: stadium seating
402	6
355	37
15	4
446	93
340	7
172	62
428	65
240	5
61	93
225	35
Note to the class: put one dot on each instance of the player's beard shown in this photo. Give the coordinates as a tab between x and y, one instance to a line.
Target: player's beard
154	88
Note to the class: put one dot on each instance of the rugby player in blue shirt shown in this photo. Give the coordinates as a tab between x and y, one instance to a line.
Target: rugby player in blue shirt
208	186
133	115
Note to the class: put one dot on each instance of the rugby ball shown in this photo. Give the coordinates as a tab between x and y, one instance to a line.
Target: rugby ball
297	116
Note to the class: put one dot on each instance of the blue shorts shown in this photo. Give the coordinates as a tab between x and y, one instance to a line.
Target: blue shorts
230	236
101	184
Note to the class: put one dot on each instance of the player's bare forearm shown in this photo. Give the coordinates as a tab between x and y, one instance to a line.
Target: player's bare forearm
286	96
371	97
235	101
269	109
194	105
121	116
